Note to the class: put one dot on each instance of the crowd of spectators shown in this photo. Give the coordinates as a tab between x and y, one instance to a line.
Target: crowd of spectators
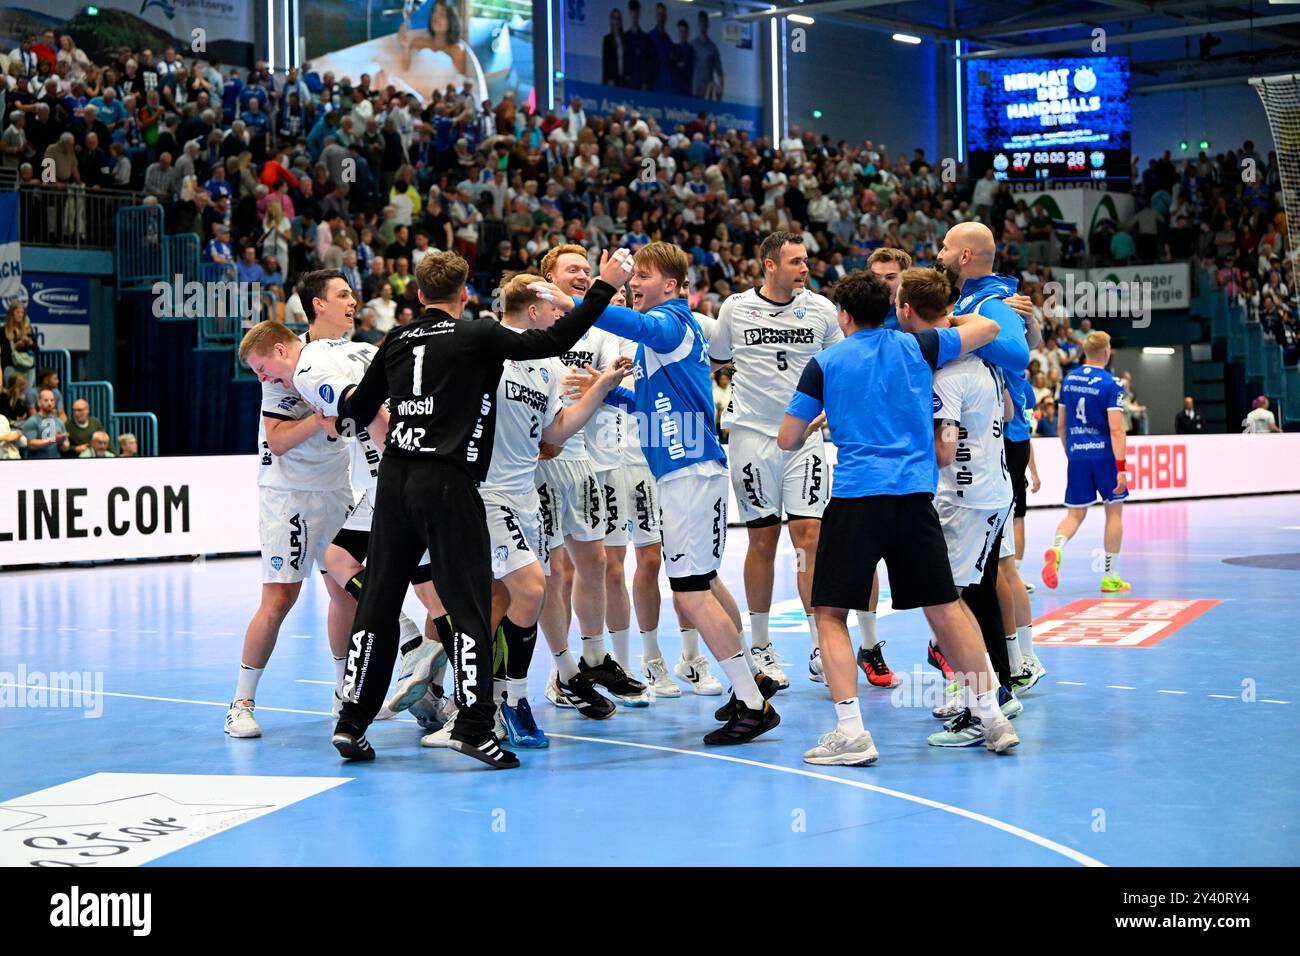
280	173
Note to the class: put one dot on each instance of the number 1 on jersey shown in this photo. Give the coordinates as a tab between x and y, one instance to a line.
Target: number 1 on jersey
417	373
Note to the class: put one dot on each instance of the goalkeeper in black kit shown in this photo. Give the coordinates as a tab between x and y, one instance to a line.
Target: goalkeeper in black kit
439	375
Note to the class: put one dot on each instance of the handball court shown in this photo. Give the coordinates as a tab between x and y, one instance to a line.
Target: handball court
1171	746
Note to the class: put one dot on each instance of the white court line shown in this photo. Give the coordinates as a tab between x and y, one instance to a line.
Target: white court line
67	628
1223	697
1171	692
146	631
302	637
106	630
1119	687
1081	858
1073	683
29	628
1265	700
327	683
182	632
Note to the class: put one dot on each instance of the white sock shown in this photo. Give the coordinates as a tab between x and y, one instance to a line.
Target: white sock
650	644
812	631
406	630
985	706
340	670
246	689
1014	659
622	642
867	627
742	680
1025	638
691	643
593	649
1059	541
1112	565
566	665
499	690
849	717
516	690
744	642
758	629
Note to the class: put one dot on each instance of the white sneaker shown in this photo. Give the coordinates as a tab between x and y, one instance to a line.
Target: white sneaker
837	749
499	726
1000	736
1033	672
765	658
1029	586
657	679
816	671
553	692
696	673
414	668
440	738
336	709
239	719
954	702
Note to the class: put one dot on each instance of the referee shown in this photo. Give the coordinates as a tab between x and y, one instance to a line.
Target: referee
439	375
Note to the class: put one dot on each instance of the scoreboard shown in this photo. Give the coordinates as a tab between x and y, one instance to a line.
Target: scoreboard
1049	119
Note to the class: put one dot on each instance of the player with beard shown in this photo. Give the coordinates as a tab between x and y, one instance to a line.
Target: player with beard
572	516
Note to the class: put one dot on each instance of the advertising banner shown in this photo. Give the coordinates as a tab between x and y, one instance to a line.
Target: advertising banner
59	307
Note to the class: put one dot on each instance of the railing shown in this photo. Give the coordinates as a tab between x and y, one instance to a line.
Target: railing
180	268
221	319
98	395
143	425
71	217
141	258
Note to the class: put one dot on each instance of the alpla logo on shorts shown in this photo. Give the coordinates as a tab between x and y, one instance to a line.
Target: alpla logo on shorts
719	519
295	541
813	479
765	336
422	406
593	503
753	486
642	500
544	510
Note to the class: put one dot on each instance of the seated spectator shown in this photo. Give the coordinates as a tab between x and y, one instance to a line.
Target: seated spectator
47	378
82	426
1260	421
249	270
11	440
127	446
218	248
1189	420
1046	419
366	331
406	315
46	435
385	308
13	400
98	447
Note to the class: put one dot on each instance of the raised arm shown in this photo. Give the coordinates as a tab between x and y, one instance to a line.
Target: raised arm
503	344
659	329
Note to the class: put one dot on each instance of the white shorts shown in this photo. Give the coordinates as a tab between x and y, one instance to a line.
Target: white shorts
969	534
573	505
631	509
360	514
516	539
693	514
295	528
769	481
1008	549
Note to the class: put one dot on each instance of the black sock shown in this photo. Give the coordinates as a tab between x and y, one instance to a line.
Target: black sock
500	653
445	633
355	583
520	644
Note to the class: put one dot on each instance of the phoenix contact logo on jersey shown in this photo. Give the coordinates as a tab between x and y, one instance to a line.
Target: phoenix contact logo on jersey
529	396
765	336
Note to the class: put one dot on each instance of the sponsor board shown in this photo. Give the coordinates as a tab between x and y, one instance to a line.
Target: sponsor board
1117	622
128	819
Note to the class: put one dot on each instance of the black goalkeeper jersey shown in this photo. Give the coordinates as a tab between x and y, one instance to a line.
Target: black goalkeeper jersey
440	374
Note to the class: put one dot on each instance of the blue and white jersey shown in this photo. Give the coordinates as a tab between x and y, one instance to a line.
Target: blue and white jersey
983	296
1088	393
673	401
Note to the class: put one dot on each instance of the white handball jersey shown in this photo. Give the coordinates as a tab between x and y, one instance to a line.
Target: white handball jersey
969	392
770	343
597	348
528	399
325	370
318	464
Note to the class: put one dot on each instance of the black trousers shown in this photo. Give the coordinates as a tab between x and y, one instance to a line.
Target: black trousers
419	505
982	599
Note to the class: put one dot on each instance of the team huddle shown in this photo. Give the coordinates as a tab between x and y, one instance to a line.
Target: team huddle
501	467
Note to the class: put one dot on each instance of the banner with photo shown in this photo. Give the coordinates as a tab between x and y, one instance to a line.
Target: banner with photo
666	59
424	45
228	26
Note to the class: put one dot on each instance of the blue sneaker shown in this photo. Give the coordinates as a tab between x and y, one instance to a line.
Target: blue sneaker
1008	704
521	728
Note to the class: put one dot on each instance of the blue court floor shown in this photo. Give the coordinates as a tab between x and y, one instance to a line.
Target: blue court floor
1179	753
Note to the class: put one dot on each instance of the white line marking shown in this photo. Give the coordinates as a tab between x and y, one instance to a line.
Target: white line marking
1073	683
1223	697
1120	687
67	628
142	631
1080	858
1265	700
182	632
302	637
29	628
1171	692
106	630
327	683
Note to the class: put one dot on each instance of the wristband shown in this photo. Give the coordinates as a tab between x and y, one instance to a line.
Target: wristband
1120	465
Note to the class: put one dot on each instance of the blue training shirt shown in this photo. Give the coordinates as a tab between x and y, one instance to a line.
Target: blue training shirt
876	388
1022	402
984	295
1087	394
674	393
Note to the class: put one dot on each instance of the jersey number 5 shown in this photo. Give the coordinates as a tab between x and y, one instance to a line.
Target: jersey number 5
781	363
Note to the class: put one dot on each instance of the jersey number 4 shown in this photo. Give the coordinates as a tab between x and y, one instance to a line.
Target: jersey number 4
1079	412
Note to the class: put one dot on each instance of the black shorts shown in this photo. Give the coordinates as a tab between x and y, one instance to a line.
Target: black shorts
357	544
857	533
1018	464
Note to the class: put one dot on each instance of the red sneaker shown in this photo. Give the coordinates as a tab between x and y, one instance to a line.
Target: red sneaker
1051	565
873	665
934	657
